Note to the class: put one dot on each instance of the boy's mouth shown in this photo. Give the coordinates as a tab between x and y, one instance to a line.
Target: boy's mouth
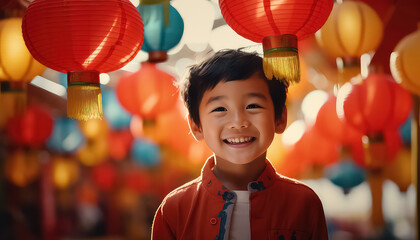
239	140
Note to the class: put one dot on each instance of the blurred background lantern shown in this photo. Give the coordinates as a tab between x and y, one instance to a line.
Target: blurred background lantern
17	68
404	62
115	115
345	174
94	128
163	28
337	129
375	105
352	29
65	171
147	93
94	152
66	136
278	26
105	176
31	129
399	171
103	38
22	167
137	180
326	149
119	143
146	153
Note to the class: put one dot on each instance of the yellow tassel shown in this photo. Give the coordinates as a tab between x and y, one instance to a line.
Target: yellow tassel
283	65
84	102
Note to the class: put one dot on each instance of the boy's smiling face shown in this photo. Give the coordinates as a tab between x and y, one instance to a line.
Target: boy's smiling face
237	120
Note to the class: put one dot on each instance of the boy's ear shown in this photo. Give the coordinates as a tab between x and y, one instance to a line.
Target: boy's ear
195	130
282	121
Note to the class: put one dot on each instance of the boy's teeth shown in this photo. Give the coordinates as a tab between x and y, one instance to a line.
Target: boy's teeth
239	140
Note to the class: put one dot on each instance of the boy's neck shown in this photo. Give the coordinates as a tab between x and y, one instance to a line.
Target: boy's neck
237	176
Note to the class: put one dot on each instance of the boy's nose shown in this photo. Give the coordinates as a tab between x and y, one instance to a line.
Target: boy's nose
239	121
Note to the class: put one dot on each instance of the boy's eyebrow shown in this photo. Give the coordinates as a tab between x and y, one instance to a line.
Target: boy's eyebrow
258	95
215	98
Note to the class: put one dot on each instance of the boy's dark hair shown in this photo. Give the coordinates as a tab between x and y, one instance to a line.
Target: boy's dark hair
227	65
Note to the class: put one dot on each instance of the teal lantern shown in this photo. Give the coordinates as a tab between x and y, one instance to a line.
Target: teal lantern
146	153
346	174
163	28
66	136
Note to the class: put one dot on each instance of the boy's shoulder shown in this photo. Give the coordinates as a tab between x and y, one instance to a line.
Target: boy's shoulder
182	193
295	187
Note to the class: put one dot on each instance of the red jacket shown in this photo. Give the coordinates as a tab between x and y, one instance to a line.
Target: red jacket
280	208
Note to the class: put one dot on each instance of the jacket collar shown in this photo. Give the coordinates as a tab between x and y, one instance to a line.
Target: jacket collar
211	183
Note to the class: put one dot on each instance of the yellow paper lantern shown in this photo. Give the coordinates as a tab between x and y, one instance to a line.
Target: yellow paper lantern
65	172
16	63
352	29
94	152
94	128
17	67
22	167
404	62
399	171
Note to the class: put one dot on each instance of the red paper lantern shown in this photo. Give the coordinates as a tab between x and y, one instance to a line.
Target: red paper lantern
104	176
147	93
31	129
119	142
377	104
335	128
83	38
278	25
317	149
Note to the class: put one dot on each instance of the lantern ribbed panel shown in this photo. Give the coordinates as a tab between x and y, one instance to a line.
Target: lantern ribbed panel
75	35
376	105
147	92
256	19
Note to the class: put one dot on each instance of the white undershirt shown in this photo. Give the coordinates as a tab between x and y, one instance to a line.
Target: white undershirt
240	225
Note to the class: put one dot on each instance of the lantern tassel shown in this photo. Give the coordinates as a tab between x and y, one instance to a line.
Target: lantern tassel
84	99
281	58
283	65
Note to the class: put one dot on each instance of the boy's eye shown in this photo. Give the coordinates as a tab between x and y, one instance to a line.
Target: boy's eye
219	109
251	106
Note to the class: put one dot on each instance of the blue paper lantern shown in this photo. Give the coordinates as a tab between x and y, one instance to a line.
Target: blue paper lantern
163	28
66	136
405	129
346	174
146	153
117	117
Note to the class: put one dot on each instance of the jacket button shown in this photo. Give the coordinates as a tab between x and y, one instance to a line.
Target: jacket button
213	221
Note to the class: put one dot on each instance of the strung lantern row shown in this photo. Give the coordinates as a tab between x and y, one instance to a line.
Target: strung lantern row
83	39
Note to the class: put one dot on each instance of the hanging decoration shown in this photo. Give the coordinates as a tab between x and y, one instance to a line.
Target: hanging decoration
147	93
83	39
163	28
22	167
404	62
105	176
337	129
17	68
31	129
345	174
278	25
115	115
65	171
352	29
66	136
119	143
146	153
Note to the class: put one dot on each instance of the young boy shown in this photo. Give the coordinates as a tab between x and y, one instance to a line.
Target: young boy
239	195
